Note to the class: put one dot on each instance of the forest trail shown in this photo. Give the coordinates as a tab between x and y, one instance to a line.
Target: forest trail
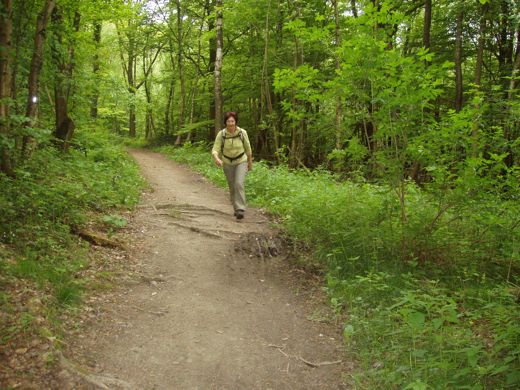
208	314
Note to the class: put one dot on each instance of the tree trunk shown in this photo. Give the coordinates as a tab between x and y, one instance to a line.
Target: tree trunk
265	91
6	29
509	127
63	82
195	91
210	7
339	109
353	7
478	77
505	46
180	63
149	127
480	45
149	123
167	113
19	29
278	118
458	62
516	68
130	74
218	68
427	23
95	71
37	60
297	129
171	93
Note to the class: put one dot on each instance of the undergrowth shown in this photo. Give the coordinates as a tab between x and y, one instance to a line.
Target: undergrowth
431	301
52	197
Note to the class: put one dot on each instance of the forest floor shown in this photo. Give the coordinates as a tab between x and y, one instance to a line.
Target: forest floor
207	303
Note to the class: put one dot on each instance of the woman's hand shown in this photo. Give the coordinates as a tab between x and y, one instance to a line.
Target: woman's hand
217	160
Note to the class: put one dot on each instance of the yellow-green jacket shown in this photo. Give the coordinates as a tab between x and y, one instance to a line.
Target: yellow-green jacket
233	146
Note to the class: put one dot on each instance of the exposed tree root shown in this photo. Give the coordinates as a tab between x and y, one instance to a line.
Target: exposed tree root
104	382
281	348
99	239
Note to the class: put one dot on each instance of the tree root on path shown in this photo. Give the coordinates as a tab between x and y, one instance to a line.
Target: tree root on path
104	382
281	348
156	313
98	239
196	230
192	207
320	364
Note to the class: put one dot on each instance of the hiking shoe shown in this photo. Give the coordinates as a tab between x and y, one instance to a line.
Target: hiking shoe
239	214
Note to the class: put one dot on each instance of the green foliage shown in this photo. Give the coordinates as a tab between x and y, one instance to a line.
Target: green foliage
430	303
51	198
115	221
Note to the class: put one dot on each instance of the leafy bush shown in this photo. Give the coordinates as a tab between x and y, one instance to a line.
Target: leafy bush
430	300
52	197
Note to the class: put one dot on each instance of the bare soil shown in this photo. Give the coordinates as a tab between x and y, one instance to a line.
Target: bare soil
210	303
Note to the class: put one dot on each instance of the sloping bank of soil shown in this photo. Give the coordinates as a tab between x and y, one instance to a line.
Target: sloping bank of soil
210	306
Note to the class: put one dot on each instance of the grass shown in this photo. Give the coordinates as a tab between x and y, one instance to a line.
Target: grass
431	302
53	196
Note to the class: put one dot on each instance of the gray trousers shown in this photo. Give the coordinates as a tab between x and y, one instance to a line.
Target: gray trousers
236	177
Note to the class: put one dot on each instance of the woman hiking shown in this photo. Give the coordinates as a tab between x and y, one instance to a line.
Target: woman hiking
232	151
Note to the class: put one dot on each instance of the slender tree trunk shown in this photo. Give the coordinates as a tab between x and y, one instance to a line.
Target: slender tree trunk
128	66
339	108
218	68
6	29
37	60
427	23
458	62
416	166
194	94
505	46
19	30
280	137
253	105
149	126
210	7
131	84
63	82
149	123
478	77
265	92
297	128
167	114
196	82
480	45
516	69
354	8
509	127
95	71
171	93
35	69
180	62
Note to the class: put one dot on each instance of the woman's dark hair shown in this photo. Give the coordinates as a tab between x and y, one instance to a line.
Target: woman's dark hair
230	114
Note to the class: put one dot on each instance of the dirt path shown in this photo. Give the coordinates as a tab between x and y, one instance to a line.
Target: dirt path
205	316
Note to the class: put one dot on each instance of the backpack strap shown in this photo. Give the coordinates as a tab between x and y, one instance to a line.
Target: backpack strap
239	135
223	140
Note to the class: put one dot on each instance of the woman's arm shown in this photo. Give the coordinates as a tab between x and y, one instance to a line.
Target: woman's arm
249	162
216	150
217	160
248	150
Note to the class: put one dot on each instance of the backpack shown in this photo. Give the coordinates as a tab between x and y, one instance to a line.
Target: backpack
239	135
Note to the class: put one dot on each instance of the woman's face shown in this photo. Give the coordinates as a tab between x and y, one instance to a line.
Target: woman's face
230	122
